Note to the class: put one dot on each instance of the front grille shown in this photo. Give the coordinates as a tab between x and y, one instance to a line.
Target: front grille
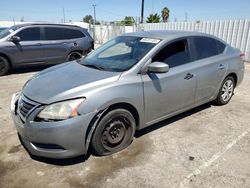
25	106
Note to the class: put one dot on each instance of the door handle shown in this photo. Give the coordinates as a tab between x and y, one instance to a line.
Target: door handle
188	76
221	67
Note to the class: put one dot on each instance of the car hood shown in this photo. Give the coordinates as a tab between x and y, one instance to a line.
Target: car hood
66	81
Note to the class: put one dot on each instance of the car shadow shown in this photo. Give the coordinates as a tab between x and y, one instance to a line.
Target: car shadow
29	68
62	162
83	158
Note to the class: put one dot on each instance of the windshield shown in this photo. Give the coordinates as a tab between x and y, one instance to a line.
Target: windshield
120	54
6	32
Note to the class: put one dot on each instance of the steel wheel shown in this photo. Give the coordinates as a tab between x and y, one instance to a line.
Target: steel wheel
226	91
114	132
4	66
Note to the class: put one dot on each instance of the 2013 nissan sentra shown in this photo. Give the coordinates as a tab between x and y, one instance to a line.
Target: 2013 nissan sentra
131	82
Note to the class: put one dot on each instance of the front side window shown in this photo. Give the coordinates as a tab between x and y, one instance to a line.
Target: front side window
174	54
120	54
29	34
207	47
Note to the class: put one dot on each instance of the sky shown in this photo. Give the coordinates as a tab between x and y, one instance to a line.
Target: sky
116	10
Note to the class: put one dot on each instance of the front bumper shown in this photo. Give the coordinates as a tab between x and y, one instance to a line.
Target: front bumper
58	139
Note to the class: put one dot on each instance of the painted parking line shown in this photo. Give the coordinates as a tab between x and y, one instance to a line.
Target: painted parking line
208	163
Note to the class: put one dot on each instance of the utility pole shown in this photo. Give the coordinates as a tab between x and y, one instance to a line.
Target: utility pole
14	20
186	16
142	10
63	16
94	21
152	6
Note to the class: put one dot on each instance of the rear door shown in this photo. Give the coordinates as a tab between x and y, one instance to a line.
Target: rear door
54	44
60	41
167	93
29	48
210	67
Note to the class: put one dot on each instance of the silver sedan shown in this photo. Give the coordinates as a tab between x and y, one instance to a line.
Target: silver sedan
131	82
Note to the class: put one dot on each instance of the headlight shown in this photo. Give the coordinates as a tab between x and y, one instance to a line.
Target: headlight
61	110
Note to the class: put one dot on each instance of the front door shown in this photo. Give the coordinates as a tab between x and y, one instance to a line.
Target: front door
29	48
167	93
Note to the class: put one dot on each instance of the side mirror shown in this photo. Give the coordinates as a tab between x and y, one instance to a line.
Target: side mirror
158	67
15	39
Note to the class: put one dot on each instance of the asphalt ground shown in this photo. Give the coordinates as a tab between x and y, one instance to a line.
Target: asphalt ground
208	146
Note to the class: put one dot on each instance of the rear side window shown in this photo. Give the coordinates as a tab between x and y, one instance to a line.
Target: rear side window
29	34
206	47
174	54
53	33
56	33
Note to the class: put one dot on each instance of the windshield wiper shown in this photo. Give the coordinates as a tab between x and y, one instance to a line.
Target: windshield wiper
94	66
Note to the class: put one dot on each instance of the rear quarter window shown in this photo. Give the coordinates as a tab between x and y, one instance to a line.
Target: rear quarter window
207	47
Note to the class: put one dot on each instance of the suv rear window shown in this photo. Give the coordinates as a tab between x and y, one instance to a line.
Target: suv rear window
207	47
57	33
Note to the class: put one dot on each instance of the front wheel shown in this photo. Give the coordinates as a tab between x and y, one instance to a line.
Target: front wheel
4	66
226	91
114	132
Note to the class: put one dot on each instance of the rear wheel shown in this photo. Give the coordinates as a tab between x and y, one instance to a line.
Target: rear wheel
74	56
114	132
4	66
226	91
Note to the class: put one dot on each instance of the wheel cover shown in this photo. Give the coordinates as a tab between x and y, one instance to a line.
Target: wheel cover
115	133
227	90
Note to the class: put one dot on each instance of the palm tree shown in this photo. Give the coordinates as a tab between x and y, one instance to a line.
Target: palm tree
165	14
153	18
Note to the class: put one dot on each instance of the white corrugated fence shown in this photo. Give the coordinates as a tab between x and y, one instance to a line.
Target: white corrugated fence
234	32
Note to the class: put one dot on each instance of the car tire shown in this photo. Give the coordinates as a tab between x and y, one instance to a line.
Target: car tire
114	132
226	91
74	56
4	66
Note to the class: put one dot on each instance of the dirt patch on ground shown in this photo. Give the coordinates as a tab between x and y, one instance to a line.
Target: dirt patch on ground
15	149
5	168
103	169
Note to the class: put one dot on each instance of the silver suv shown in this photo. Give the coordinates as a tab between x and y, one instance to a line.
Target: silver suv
42	43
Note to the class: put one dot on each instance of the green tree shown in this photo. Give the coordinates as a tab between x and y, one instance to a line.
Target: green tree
128	20
88	19
165	14
153	18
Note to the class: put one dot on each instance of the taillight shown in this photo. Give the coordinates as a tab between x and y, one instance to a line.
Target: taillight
242	56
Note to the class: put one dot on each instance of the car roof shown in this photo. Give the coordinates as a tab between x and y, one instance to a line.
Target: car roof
43	24
165	34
